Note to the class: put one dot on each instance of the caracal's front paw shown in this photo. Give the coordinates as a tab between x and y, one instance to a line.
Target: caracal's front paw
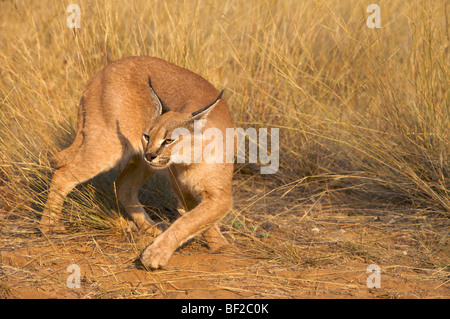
215	240
155	256
218	245
153	229
49	225
146	225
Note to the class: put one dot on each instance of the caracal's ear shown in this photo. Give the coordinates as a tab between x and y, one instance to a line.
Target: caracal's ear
204	111
201	114
160	106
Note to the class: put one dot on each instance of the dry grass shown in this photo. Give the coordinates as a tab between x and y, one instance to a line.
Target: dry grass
364	124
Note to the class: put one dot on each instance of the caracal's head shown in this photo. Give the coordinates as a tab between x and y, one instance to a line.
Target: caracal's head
160	140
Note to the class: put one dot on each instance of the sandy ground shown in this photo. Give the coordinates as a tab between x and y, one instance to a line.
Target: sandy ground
278	249
109	268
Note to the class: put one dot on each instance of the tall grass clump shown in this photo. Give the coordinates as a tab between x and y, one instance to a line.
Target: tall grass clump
363	113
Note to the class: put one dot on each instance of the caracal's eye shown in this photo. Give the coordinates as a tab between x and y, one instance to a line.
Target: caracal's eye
168	141
146	138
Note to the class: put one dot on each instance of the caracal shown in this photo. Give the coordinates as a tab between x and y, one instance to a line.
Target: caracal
126	117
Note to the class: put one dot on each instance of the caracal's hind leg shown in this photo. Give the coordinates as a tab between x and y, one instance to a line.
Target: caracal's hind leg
85	165
128	184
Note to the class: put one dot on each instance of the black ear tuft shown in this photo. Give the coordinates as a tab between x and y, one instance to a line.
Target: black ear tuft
161	107
205	110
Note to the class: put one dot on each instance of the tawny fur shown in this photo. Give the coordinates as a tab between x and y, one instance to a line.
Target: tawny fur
116	108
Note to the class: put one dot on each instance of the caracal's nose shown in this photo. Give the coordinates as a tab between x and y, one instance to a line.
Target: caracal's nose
150	156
